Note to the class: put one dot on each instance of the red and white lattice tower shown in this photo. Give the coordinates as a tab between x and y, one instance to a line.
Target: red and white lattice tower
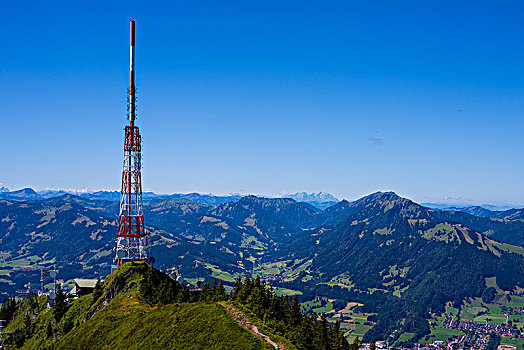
132	243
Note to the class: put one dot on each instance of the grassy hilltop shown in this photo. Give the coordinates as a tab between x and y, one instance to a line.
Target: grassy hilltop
138	307
122	318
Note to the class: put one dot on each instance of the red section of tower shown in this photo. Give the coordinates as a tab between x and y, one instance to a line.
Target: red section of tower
132	242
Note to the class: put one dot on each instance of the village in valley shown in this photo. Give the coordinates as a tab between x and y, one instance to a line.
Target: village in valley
471	326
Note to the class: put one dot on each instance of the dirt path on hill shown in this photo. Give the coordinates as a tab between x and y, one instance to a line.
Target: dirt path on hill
245	323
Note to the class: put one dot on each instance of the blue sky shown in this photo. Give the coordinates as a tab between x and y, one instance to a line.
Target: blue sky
265	97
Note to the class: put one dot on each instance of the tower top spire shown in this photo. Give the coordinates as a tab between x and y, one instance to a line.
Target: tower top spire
132	89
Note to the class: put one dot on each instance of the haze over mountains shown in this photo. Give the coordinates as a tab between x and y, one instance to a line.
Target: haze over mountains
320	200
383	251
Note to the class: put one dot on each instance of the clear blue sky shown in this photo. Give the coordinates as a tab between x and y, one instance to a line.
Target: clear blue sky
424	98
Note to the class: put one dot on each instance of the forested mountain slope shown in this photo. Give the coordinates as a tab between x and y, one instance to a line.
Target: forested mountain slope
403	254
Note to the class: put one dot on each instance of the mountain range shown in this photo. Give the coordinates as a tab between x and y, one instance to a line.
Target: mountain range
386	253
321	200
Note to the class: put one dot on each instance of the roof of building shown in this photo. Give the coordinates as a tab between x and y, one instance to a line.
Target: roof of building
85	283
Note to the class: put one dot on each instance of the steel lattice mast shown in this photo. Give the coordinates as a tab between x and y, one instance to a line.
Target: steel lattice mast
133	242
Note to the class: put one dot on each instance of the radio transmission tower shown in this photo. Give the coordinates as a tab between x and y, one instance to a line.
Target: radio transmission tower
132	243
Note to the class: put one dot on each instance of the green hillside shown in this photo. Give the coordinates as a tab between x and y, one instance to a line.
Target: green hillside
129	322
138	307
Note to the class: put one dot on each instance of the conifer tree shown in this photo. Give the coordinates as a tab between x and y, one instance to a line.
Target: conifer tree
236	288
257	282
255	300
220	292
97	292
207	292
245	290
60	307
304	336
295	311
338	337
323	329
49	330
355	345
27	325
7	310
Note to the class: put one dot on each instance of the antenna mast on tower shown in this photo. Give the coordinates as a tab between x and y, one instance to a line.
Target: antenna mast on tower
132	243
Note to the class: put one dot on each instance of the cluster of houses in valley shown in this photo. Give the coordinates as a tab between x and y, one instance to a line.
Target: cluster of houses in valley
461	342
511	310
470	341
436	345
476	336
502	329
